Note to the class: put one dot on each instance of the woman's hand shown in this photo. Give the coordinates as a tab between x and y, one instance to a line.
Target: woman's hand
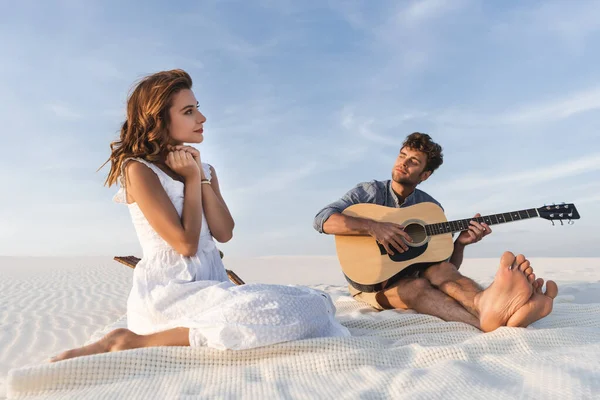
183	163
194	152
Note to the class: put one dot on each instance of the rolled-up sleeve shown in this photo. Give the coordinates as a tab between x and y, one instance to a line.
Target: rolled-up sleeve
362	193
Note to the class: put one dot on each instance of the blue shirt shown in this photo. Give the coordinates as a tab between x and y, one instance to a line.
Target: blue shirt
376	192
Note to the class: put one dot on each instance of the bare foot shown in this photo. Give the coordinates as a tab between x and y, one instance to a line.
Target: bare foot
119	339
538	306
510	290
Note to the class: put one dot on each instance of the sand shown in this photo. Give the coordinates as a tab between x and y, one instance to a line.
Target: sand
52	304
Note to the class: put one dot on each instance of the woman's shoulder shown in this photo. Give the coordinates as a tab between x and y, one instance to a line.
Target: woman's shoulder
139	163
140	170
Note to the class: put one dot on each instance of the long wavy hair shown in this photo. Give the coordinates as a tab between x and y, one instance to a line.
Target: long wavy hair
144	134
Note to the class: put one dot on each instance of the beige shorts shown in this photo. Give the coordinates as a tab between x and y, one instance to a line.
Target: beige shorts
366	297
370	298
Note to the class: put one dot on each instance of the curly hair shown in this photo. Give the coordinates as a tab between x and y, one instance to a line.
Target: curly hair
423	143
144	134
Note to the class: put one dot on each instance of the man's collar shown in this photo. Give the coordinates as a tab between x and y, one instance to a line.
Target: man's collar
396	195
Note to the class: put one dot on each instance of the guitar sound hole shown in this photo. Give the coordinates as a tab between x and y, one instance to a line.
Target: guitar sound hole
416	232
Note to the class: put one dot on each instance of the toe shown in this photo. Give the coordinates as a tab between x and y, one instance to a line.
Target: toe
524	266
531	278
63	356
527	271
551	289
521	259
507	259
537	284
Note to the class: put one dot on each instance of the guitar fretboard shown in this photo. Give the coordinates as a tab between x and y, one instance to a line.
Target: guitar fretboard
460	225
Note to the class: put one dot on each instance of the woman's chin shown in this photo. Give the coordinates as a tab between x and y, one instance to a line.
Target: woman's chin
196	139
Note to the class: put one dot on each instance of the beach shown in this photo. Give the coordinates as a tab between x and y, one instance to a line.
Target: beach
48	305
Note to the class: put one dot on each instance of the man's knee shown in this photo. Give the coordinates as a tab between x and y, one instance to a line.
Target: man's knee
441	272
417	285
412	290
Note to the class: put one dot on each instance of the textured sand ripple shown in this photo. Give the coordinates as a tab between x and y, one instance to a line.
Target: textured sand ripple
51	304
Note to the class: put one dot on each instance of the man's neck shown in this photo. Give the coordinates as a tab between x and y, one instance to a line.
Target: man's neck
401	190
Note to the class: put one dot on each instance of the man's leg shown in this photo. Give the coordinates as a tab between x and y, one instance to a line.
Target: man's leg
419	295
445	277
510	290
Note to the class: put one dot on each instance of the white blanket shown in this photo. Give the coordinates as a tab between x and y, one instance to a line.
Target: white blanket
392	354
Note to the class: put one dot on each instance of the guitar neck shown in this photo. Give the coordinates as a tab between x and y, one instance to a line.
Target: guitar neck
460	225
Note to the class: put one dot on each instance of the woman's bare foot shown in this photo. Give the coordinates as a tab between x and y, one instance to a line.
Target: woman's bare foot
510	290
119	339
539	305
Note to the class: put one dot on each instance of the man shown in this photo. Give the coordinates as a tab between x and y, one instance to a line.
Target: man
515	298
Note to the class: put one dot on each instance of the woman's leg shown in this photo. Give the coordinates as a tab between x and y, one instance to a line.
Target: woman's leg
124	339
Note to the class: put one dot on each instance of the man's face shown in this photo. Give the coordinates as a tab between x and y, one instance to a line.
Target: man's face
409	167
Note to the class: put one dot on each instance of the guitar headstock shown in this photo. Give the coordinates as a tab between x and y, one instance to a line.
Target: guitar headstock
559	212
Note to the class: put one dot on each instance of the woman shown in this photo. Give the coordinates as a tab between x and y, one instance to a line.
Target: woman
181	295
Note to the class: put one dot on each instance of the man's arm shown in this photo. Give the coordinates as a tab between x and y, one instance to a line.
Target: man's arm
474	234
340	224
361	193
330	220
457	255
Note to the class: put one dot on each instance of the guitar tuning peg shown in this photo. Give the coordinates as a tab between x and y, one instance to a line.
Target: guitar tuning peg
571	222
552	223
561	222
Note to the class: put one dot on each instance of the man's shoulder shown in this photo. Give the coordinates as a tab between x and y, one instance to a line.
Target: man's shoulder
368	192
422	197
373	184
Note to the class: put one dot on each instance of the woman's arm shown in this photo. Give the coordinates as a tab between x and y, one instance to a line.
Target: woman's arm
144	188
217	214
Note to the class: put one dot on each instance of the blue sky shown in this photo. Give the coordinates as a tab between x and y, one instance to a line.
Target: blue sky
304	100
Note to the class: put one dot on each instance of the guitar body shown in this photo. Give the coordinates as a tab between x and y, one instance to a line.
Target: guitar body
365	261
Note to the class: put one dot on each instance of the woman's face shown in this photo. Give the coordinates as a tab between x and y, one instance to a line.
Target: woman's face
186	120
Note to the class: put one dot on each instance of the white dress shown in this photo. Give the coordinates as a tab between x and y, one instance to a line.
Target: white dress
170	290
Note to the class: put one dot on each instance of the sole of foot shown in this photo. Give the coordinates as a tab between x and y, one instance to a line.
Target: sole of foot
539	305
509	292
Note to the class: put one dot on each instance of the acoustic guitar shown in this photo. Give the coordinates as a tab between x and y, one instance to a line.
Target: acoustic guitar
365	261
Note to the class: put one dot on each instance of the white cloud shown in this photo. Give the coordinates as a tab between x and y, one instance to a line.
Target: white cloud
557	25
561	108
511	179
362	127
423	11
540	112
